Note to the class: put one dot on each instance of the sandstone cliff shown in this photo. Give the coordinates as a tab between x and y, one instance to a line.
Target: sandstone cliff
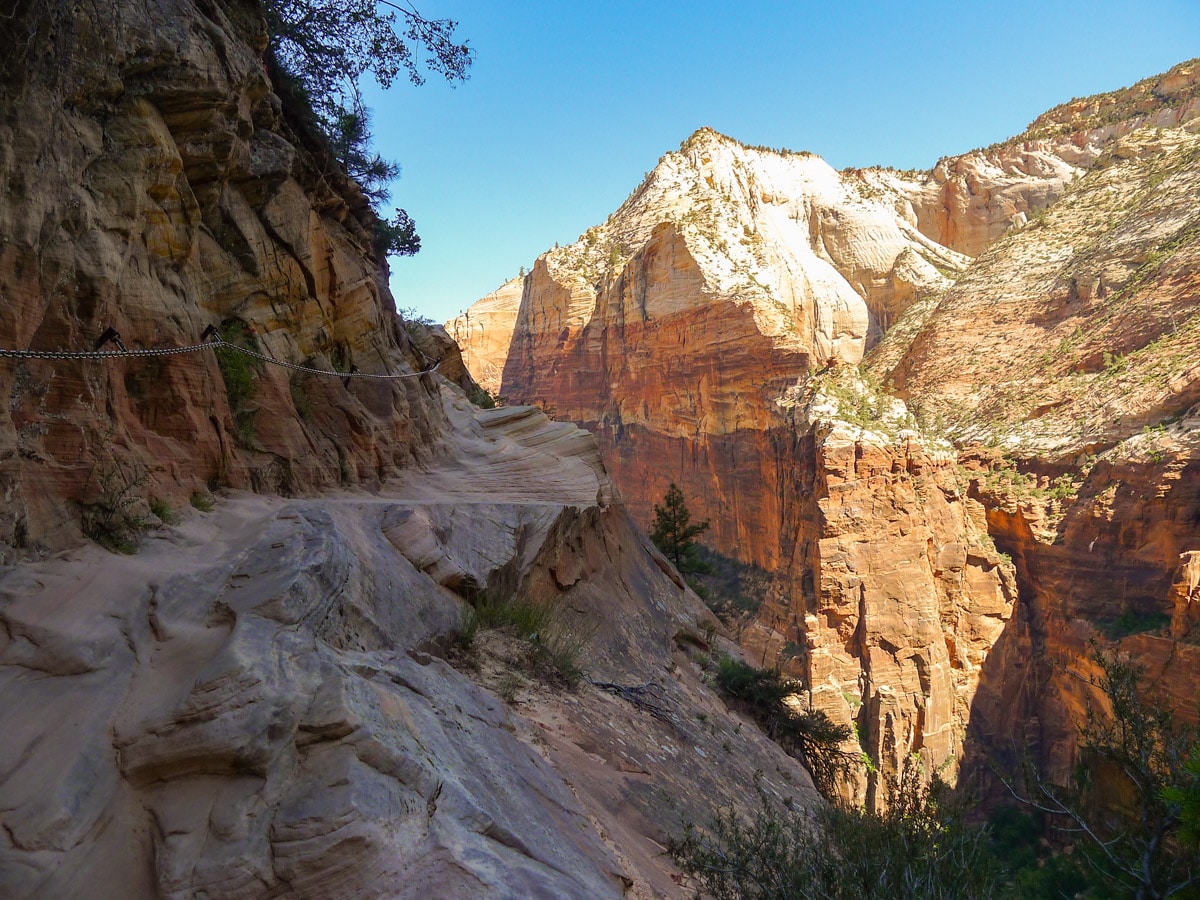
1064	362
261	702
670	330
1037	298
893	592
150	181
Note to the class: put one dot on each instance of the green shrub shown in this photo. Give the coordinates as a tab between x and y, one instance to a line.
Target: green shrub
111	499
1133	622
554	647
202	502
919	848
162	510
238	371
733	590
809	734
481	398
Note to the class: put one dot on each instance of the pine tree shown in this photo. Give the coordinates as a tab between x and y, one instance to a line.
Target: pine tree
673	535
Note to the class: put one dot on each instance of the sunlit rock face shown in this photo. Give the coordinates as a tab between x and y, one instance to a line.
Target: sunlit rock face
1064	363
670	330
893	593
1066	345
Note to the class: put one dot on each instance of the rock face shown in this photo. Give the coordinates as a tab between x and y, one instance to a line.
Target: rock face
670	330
150	181
893	593
1067	343
1070	349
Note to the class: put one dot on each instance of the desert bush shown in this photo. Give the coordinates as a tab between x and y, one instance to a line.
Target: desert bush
1127	800
481	397
238	372
808	733
554	646
920	847
111	505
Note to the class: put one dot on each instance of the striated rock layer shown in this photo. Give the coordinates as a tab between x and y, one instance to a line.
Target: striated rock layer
670	330
150	180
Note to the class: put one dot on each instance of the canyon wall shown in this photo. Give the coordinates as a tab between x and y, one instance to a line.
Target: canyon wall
1032	303
152	181
1064	362
893	593
670	330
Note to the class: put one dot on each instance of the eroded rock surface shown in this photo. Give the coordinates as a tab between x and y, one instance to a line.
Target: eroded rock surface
894	593
152	181
670	330
1061	362
259	703
255	704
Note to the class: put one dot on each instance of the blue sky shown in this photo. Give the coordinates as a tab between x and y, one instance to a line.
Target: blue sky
569	104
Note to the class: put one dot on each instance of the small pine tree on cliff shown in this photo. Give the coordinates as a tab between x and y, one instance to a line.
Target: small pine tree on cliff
672	533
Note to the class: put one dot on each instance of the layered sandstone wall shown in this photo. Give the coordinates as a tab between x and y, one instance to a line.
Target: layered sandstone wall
1064	364
670	330
893	594
150	181
261	701
1068	346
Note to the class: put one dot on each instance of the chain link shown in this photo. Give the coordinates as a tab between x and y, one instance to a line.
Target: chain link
193	348
101	354
287	365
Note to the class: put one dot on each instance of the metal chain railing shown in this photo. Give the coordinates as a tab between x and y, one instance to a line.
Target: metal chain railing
105	354
216	344
353	373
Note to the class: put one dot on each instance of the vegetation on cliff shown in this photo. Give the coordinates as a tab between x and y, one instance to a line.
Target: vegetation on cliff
920	848
674	533
772	700
1124	827
1129	796
319	51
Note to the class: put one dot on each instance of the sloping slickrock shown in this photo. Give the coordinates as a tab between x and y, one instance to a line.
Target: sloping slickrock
254	705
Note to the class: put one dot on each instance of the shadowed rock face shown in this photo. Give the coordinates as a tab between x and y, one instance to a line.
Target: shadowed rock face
150	181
